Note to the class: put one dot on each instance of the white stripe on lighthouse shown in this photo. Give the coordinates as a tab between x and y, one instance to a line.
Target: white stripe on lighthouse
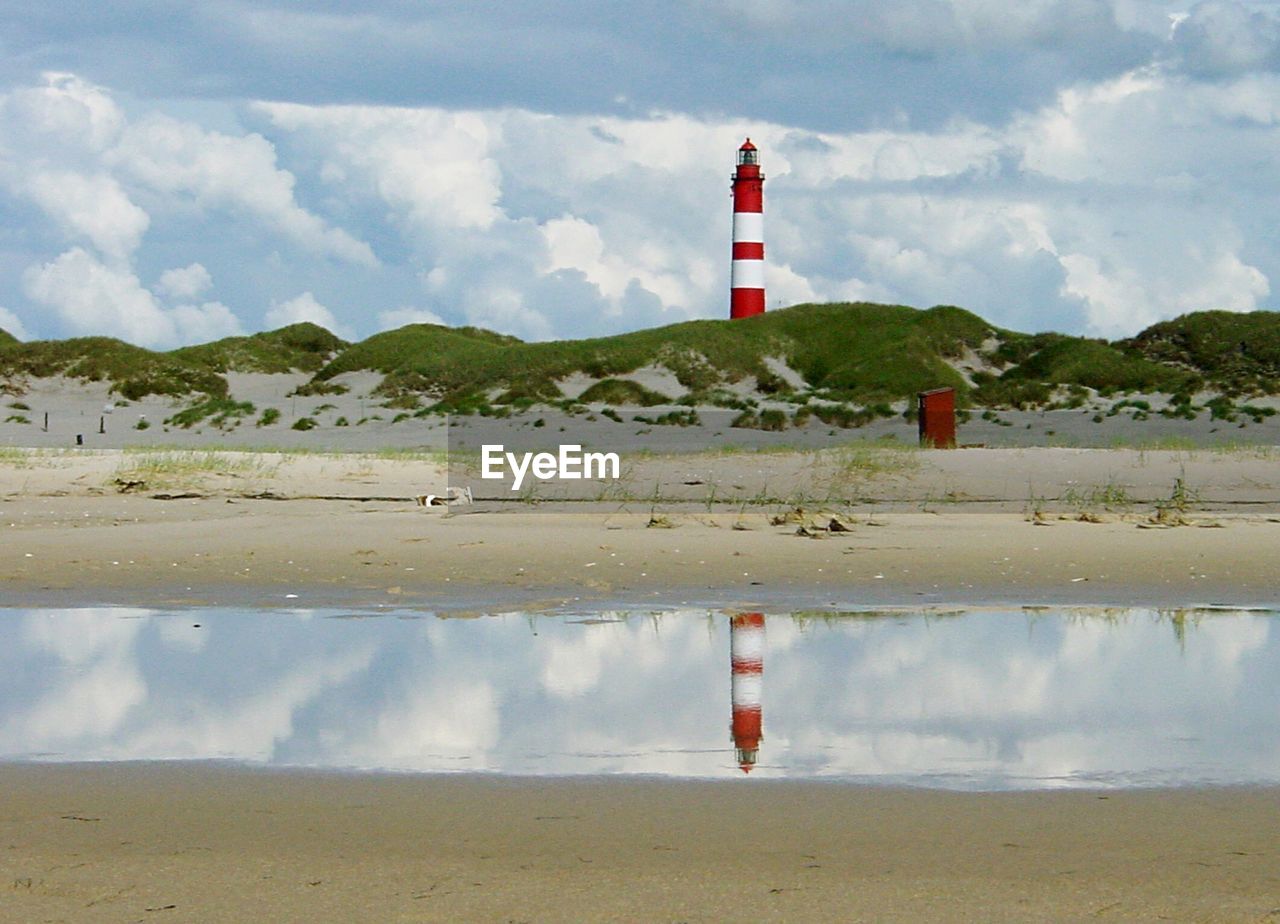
747	690
746	644
748	226
746	274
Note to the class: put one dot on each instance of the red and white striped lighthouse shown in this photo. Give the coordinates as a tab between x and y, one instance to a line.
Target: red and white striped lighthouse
746	278
746	655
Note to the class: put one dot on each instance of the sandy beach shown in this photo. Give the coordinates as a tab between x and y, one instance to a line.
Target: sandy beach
145	842
202	842
1014	525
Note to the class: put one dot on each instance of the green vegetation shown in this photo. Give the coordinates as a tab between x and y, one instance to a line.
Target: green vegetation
622	391
670	419
1223	408
269	416
426	358
853	358
1141	409
135	372
167	469
6	338
771	419
1110	496
1180	407
307	389
1236	353
301	347
218	411
1044	361
718	397
304	423
846	417
845	472
852	351
132	371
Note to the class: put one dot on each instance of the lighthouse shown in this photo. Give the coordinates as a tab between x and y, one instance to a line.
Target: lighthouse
746	656
746	276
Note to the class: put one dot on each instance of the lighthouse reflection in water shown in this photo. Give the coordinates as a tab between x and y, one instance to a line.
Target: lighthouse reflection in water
746	656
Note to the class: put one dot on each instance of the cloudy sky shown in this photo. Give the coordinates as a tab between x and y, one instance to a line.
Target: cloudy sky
174	172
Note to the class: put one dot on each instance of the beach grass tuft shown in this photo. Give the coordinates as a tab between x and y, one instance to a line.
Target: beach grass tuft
184	467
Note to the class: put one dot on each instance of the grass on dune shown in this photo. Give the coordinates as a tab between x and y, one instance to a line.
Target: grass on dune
301	347
14	458
1059	360
188	469
848	353
132	371
853	351
135	372
238	458
1238	352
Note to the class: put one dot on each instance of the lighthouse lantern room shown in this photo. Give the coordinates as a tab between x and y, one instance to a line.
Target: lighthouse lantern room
746	277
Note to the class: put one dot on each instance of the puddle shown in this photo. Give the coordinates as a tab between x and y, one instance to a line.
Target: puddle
976	699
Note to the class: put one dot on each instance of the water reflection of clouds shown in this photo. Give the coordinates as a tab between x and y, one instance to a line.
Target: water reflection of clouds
91	680
1077	700
988	699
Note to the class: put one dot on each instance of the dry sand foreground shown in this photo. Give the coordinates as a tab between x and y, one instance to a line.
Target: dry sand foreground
182	843
142	843
966	526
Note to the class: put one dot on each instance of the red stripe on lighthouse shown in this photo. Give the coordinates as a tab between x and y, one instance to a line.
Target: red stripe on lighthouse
744	303
746	274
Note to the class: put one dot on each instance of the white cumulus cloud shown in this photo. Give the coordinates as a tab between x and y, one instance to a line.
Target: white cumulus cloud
399	317
90	298
219	170
64	116
11	323
94	207
1110	203
302	308
185	282
1218	39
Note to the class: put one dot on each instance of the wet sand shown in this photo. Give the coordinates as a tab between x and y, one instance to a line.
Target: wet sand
183	842
142	842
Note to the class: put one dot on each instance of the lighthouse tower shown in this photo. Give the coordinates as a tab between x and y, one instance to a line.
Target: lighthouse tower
746	655
746	278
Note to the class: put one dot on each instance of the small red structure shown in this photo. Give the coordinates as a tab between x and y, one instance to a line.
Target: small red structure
937	412
746	274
